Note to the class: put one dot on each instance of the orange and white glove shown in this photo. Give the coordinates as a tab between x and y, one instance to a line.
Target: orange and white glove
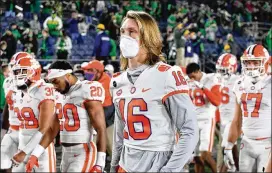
32	161
100	162
96	168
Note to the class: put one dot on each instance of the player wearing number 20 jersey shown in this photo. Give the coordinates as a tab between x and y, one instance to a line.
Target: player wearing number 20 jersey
253	112
78	110
149	111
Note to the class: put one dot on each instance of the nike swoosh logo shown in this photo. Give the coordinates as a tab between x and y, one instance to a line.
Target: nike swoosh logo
144	90
75	155
267	147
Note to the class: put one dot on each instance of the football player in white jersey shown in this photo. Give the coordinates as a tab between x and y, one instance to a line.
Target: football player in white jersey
204	91
226	68
152	104
252	116
35	109
10	141
76	115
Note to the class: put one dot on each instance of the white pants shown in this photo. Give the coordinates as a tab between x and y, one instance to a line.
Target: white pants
254	154
206	135
9	146
224	130
78	158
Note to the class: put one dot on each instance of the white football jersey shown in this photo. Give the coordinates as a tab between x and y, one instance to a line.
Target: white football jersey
75	124
255	101
148	125
11	92
228	100
204	108
28	111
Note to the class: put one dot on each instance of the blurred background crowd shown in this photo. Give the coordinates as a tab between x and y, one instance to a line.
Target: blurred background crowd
81	30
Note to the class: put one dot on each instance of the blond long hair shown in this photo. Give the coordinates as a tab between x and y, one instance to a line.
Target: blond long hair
150	38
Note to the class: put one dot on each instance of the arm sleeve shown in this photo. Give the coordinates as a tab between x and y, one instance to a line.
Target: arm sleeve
213	95
60	23
118	138
45	23
182	112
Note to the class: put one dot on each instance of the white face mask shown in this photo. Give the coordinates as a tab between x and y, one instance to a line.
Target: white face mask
129	46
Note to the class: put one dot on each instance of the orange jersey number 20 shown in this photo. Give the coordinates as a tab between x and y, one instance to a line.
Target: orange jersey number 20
63	111
135	118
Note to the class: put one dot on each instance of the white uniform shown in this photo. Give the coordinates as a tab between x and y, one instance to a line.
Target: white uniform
205	113
27	108
255	101
75	126
227	106
145	128
10	141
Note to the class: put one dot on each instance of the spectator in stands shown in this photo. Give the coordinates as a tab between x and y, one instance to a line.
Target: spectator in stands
268	41
35	24
31	43
73	25
53	24
28	8
46	10
15	31
188	49
64	46
101	44
46	46
3	50
100	6
210	28
233	46
10	8
11	44
94	71
83	28
180	43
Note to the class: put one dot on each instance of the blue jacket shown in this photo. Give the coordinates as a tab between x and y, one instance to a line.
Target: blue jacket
188	49
101	45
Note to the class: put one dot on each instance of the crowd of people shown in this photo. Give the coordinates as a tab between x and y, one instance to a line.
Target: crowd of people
50	29
151	116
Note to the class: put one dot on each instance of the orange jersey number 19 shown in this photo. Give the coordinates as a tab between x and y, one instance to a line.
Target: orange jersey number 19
249	96
135	118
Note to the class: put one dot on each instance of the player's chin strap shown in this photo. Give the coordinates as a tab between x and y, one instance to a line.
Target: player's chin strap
54	73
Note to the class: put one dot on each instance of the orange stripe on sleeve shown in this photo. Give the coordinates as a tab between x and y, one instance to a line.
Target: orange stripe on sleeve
173	93
87	152
93	155
212	135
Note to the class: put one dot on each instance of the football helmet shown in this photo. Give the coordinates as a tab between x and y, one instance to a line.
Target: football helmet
26	69
15	58
226	65
254	61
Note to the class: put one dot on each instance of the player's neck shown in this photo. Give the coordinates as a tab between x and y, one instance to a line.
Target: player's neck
136	62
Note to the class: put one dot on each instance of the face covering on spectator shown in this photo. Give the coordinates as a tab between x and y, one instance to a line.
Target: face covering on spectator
89	76
129	46
35	18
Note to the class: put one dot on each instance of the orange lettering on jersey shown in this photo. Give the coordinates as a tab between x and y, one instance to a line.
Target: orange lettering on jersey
27	118
179	78
198	97
116	74
249	96
163	68
73	110
96	91
225	95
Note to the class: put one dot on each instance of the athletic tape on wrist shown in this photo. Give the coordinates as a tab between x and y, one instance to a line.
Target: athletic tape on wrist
38	151
101	159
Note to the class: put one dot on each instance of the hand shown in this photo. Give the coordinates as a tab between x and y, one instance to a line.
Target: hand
228	160
96	168
198	84
32	161
18	158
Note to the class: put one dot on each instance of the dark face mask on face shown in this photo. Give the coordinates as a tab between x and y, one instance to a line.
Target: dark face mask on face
89	76
25	86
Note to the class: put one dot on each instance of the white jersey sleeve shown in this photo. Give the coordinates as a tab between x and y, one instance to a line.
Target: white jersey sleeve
175	82
93	91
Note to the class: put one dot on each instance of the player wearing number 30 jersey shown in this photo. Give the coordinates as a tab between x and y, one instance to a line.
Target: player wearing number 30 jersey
34	109
78	110
253	112
152	104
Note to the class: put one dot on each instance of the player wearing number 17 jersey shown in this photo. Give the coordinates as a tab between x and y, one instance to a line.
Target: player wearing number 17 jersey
35	109
252	115
78	110
152	104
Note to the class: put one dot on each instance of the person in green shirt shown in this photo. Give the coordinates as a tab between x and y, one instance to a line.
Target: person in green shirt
268	41
14	29
113	47
2	93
